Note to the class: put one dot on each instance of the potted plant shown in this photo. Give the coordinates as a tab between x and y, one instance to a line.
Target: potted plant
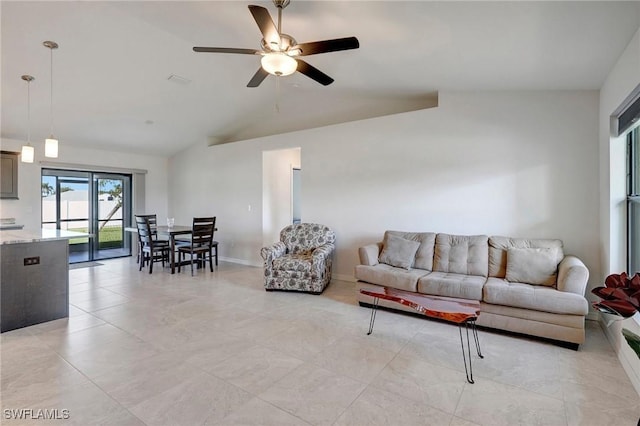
621	297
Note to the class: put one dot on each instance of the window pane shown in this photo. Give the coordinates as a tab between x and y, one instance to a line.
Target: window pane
633	203
634	236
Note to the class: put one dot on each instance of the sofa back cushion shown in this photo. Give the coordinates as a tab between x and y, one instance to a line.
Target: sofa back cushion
462	254
498	247
537	266
398	252
302	238
424	255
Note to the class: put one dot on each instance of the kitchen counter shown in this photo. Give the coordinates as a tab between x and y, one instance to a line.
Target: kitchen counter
19	236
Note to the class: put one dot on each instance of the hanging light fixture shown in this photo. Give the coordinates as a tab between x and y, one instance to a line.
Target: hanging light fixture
51	143
27	150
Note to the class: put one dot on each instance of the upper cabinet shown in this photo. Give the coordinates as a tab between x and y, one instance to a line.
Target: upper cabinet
9	174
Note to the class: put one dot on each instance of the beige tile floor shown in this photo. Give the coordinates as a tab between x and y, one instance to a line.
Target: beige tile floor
216	349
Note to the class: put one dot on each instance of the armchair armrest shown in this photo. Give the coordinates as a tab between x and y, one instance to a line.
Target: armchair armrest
323	252
369	254
320	256
572	275
273	252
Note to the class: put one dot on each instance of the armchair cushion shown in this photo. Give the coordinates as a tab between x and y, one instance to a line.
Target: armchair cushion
300	263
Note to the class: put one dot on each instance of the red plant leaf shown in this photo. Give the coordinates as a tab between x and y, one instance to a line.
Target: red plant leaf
634	282
617	280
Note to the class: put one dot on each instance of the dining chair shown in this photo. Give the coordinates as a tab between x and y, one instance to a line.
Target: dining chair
151	249
201	244
153	223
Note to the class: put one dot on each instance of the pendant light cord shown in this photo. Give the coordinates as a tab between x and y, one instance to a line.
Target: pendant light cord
51	98
28	112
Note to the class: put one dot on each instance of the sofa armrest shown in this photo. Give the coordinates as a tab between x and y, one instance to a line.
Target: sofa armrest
369	254
272	252
572	275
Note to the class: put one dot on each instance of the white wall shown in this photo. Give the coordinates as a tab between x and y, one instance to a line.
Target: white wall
277	191
620	83
510	163
26	210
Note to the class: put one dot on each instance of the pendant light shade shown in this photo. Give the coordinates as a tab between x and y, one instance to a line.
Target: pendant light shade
51	143
27	154
51	148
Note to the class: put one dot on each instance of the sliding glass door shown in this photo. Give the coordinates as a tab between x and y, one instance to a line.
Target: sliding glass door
93	202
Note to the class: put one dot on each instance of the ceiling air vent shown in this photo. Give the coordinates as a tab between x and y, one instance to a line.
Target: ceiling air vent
179	79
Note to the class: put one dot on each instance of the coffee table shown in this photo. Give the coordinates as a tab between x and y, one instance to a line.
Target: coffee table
460	311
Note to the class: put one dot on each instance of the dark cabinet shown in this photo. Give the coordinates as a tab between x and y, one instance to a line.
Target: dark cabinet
34	283
8	174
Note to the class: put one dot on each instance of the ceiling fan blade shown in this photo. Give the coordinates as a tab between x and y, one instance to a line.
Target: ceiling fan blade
226	50
266	25
257	78
324	46
313	73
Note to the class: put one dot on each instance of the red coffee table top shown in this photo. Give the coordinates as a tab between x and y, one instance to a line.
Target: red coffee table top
446	308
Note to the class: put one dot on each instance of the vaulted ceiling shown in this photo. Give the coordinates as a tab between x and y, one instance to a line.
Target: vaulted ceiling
111	73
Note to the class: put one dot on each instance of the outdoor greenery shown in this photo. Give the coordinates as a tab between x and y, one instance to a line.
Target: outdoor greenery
109	237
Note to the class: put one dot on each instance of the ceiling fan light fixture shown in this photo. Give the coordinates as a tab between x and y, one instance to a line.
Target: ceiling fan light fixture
279	64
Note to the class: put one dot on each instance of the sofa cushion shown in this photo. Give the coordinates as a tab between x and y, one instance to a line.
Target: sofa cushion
539	298
461	254
424	255
498	247
532	266
452	285
396	251
390	276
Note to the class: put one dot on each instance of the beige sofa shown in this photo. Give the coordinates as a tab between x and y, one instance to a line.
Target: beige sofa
523	285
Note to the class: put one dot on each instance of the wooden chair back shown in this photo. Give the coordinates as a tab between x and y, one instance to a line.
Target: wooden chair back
145	233
202	231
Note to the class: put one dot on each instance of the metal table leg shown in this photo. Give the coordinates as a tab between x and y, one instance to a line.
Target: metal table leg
469	371
374	309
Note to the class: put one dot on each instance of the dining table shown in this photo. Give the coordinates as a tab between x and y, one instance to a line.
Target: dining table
172	232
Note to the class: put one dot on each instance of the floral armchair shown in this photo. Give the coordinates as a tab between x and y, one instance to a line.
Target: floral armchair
301	260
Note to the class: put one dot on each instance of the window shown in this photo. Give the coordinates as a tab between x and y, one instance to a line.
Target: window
633	202
94	202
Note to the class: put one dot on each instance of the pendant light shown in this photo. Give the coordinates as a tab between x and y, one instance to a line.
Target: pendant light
51	143
27	150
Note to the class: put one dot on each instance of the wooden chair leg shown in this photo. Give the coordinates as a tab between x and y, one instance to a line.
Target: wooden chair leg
141	262
210	260
191	263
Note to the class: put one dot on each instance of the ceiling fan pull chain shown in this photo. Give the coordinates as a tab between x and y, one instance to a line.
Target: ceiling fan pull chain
278	94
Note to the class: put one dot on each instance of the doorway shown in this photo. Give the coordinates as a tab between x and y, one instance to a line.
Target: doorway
93	202
281	177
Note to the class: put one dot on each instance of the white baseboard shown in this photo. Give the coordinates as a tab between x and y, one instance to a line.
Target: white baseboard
240	261
592	316
342	277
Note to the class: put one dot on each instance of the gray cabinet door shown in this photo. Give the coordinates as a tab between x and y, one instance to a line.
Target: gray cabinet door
8	174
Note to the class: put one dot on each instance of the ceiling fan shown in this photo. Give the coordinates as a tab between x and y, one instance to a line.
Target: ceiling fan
280	52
